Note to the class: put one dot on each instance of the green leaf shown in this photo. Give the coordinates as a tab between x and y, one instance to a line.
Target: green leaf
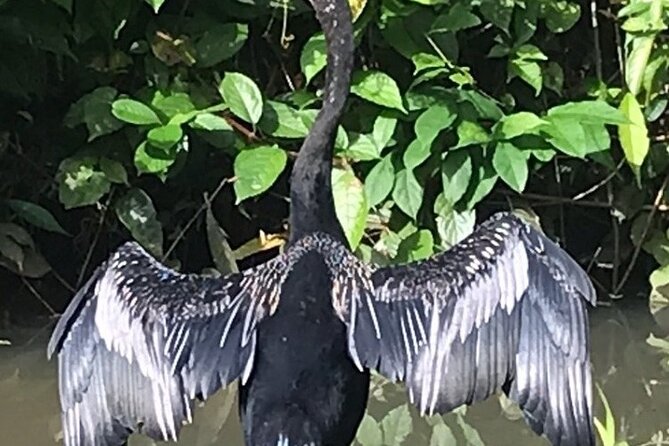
574	137
243	96
483	182
427	127
424	61
408	193
396	426
457	18
417	246
379	88
350	205
363	148
172	105
471	435
165	137
453	226
529	71
314	57
589	112
80	183
498	12
219	247
257	169
210	122
456	173
517	124
134	112
633	136
560	15
369	432
511	165
149	159
380	181
442	436
384	128
155	4
65	4
114	171
470	133
283	121
95	110
135	210
36	215
12	251
220	42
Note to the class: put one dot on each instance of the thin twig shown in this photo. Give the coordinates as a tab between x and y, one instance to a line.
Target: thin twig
595	30
644	234
98	232
601	183
615	223
63	282
192	220
250	136
558	179
39	296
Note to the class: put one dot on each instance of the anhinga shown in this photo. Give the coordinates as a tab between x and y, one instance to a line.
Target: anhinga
504	309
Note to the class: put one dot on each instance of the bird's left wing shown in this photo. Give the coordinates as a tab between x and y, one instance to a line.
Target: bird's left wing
140	341
505	308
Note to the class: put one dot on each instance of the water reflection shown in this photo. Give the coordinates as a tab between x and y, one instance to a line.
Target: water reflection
627	369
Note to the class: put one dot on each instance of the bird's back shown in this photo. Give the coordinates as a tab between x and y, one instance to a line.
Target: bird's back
304	389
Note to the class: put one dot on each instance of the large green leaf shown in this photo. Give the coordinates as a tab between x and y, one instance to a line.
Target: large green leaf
134	112
173	104
36	215
380	181
135	210
453	226
165	137
589	112
242	96
314	57
350	204
80	182
369	432
456	173
257	169
517	124
511	165
220	42
417	246
442	436
149	159
408	193
633	136
377	87
95	110
211	123
397	425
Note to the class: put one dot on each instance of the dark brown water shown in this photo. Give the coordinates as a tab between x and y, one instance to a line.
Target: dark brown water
626	368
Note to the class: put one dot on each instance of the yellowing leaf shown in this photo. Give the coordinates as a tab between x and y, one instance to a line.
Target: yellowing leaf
357	6
633	136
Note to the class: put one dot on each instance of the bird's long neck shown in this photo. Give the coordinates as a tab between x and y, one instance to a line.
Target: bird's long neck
312	204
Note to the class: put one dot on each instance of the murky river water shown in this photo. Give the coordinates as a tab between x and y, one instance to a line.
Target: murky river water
626	368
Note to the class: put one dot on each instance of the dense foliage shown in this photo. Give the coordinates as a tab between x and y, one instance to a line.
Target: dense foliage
147	113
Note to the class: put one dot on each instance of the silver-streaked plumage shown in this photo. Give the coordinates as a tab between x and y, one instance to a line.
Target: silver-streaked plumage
503	309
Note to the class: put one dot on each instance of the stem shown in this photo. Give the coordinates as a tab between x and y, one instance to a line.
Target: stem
658	198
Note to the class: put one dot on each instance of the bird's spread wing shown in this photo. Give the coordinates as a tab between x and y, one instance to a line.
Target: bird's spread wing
505	308
140	341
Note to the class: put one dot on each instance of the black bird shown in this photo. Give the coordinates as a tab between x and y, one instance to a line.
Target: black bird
504	309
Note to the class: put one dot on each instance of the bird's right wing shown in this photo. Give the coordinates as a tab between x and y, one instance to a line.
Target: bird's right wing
505	308
140	341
